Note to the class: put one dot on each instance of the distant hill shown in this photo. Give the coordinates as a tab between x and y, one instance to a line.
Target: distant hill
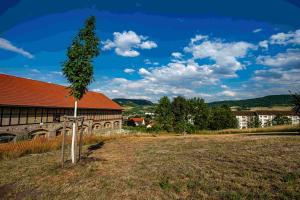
133	102
267	101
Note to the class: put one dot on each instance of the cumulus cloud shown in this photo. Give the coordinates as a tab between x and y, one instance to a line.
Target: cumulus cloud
226	55
127	43
198	38
202	67
292	37
129	70
149	62
148	45
257	30
264	44
282	72
187	77
289	38
289	59
228	93
144	72
278	77
177	55
7	45
224	86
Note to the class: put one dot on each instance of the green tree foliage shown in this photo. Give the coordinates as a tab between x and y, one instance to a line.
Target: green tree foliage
164	114
222	118
254	122
78	69
281	120
269	123
296	102
189	115
198	113
180	110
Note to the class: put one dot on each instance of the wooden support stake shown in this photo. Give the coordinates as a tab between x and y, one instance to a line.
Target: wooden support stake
76	146
63	143
80	140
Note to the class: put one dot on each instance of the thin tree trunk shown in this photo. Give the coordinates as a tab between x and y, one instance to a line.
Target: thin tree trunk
73	147
80	140
63	144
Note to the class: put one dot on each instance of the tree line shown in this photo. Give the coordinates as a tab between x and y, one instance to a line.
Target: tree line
189	115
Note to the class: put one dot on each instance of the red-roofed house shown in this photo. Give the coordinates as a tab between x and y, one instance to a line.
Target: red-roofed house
137	121
29	108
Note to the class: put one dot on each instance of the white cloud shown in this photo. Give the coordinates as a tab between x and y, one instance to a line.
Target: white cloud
127	52
177	55
289	59
224	86
278	77
148	62
56	73
148	45
228	93
292	37
282	72
186	76
264	44
202	67
198	38
7	45
129	70
127	43
257	30
226	55
35	71
144	72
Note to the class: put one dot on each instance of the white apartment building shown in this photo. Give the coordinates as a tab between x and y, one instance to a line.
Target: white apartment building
265	117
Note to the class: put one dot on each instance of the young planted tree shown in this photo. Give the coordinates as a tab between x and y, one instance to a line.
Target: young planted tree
164	115
78	69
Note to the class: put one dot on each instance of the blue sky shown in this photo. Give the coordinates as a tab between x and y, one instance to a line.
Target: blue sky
149	49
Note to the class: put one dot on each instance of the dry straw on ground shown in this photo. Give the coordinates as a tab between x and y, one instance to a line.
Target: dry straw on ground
231	166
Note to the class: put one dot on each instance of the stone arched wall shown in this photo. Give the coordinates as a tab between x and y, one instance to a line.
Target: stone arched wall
107	125
7	137
59	131
85	129
116	124
96	126
51	129
38	133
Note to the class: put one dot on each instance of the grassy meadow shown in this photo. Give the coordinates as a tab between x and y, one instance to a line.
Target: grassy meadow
230	166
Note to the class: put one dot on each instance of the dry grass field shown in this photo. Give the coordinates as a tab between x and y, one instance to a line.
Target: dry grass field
234	166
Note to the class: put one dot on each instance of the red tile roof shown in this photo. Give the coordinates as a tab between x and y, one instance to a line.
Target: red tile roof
137	119
26	92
